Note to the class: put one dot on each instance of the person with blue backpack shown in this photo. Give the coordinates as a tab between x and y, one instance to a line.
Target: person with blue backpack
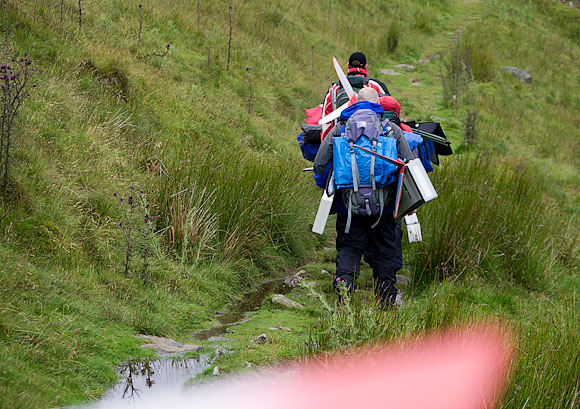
365	192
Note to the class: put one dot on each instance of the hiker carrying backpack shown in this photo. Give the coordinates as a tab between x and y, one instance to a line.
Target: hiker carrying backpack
357	75
360	176
365	189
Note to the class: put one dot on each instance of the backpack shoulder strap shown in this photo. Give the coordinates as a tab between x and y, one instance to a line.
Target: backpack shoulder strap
388	130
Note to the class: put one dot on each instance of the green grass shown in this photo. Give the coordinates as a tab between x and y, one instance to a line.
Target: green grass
230	205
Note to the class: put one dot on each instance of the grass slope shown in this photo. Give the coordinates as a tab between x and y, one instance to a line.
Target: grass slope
228	203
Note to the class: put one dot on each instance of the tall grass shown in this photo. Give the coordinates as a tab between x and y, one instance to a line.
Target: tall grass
227	207
490	216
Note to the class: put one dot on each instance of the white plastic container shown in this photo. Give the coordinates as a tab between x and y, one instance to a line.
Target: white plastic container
322	214
413	228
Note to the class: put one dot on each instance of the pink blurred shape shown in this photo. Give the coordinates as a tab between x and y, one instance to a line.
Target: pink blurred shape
461	369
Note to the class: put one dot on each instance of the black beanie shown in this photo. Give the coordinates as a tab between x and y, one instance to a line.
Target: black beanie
357	59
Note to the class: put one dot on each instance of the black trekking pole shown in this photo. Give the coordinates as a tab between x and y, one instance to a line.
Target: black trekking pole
432	137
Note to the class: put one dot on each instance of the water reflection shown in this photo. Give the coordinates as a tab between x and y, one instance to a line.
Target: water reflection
140	380
144	370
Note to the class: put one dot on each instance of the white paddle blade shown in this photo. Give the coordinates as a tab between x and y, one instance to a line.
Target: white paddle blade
342	78
333	115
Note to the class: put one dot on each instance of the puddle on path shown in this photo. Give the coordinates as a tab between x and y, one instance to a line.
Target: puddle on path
249	302
141	380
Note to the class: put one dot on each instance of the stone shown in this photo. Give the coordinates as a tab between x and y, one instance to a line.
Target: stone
326	273
277	327
428	59
216	371
405	67
402	281
214	339
284	301
168	346
520	74
390	72
261	339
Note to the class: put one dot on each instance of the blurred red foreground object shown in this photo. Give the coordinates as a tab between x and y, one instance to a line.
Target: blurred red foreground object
464	369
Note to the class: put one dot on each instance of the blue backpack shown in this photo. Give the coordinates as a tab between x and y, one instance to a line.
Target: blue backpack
359	174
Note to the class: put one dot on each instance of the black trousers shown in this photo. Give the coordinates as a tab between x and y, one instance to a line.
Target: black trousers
381	247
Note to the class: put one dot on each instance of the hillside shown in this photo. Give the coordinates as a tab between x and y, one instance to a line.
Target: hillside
154	176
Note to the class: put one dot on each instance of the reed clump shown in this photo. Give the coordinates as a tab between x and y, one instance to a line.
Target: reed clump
491	215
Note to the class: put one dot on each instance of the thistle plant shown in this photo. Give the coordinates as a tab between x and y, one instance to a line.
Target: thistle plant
312	58
198	15
469	133
250	93
457	74
80	14
140	23
5	10
230	41
14	84
138	234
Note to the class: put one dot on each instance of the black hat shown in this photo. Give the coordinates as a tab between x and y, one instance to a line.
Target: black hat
357	59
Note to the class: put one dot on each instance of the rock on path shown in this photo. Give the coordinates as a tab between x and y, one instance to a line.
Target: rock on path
261	339
407	67
168	346
520	74
390	72
284	301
